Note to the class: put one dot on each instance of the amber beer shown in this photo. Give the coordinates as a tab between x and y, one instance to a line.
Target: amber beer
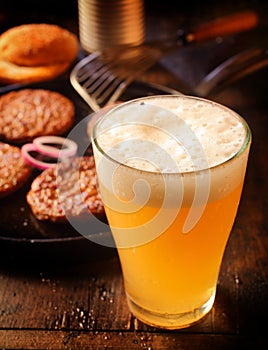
171	171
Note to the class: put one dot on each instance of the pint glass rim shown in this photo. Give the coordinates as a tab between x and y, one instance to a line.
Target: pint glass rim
243	148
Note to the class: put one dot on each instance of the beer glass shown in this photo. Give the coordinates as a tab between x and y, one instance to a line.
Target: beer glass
170	172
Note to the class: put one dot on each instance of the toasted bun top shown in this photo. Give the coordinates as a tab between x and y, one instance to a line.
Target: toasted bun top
38	45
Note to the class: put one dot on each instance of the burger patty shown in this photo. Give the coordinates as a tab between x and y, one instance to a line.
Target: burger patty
14	171
29	113
68	190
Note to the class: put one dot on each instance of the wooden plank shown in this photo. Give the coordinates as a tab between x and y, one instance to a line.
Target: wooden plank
92	298
89	296
247	251
38	339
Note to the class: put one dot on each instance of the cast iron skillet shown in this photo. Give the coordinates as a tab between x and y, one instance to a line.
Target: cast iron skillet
25	239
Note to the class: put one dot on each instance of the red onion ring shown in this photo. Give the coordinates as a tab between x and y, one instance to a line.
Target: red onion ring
69	151
25	152
39	146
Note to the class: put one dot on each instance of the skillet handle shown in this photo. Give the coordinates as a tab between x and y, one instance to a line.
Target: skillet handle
223	26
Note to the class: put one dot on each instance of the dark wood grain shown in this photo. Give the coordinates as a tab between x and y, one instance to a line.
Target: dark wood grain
41	339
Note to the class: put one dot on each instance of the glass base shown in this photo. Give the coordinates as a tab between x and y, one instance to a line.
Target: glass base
170	321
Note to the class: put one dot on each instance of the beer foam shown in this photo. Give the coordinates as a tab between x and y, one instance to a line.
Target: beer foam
157	137
172	135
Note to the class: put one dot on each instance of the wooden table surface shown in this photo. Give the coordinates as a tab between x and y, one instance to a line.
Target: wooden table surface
80	304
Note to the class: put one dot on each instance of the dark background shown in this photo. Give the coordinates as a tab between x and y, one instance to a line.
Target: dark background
13	12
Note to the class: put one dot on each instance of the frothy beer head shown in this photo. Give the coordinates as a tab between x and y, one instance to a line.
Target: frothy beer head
171	135
196	134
